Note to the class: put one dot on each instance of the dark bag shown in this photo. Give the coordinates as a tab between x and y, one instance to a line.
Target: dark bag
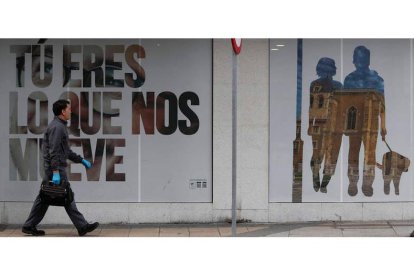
56	195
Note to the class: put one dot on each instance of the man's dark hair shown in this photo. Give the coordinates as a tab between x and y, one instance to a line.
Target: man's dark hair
59	105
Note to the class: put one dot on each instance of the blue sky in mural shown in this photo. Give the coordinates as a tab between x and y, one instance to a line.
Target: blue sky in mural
362	77
299	81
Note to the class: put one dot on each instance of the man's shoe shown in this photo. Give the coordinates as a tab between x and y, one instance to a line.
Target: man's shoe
88	228
412	234
32	231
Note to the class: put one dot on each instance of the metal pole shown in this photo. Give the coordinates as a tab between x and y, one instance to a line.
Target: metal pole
298	142
234	146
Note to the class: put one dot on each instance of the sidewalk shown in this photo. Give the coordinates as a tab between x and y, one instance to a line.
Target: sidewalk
310	229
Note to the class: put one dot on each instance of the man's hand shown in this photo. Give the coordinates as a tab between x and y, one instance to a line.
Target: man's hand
56	178
86	163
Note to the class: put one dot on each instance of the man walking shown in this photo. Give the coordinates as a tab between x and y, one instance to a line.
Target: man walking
56	151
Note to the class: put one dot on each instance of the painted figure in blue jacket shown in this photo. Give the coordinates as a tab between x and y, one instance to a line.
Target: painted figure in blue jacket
364	78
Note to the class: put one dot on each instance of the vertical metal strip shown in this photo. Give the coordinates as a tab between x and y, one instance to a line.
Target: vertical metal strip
411	104
298	142
342	162
234	146
299	81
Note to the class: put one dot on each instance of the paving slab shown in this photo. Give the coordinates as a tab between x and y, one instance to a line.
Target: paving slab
202	225
403	231
311	224
270	230
114	231
227	231
7	232
144	225
255	228
204	232
145	232
174	231
369	232
316	231
363	225
56	232
279	234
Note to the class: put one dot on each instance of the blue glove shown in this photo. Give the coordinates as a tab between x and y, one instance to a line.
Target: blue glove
56	178
86	163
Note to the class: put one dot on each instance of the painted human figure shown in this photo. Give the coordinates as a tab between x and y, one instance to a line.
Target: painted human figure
320	92
364	78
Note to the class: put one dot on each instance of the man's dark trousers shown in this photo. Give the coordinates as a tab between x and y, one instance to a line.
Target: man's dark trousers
39	209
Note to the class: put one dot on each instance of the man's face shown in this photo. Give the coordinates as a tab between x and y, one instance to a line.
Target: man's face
67	112
361	59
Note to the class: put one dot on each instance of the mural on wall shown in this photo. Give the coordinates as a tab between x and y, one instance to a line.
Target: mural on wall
353	113
137	104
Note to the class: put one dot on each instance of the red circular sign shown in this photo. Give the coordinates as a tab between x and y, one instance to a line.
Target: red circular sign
237	43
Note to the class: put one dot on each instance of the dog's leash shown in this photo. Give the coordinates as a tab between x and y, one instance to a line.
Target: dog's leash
387	145
378	164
